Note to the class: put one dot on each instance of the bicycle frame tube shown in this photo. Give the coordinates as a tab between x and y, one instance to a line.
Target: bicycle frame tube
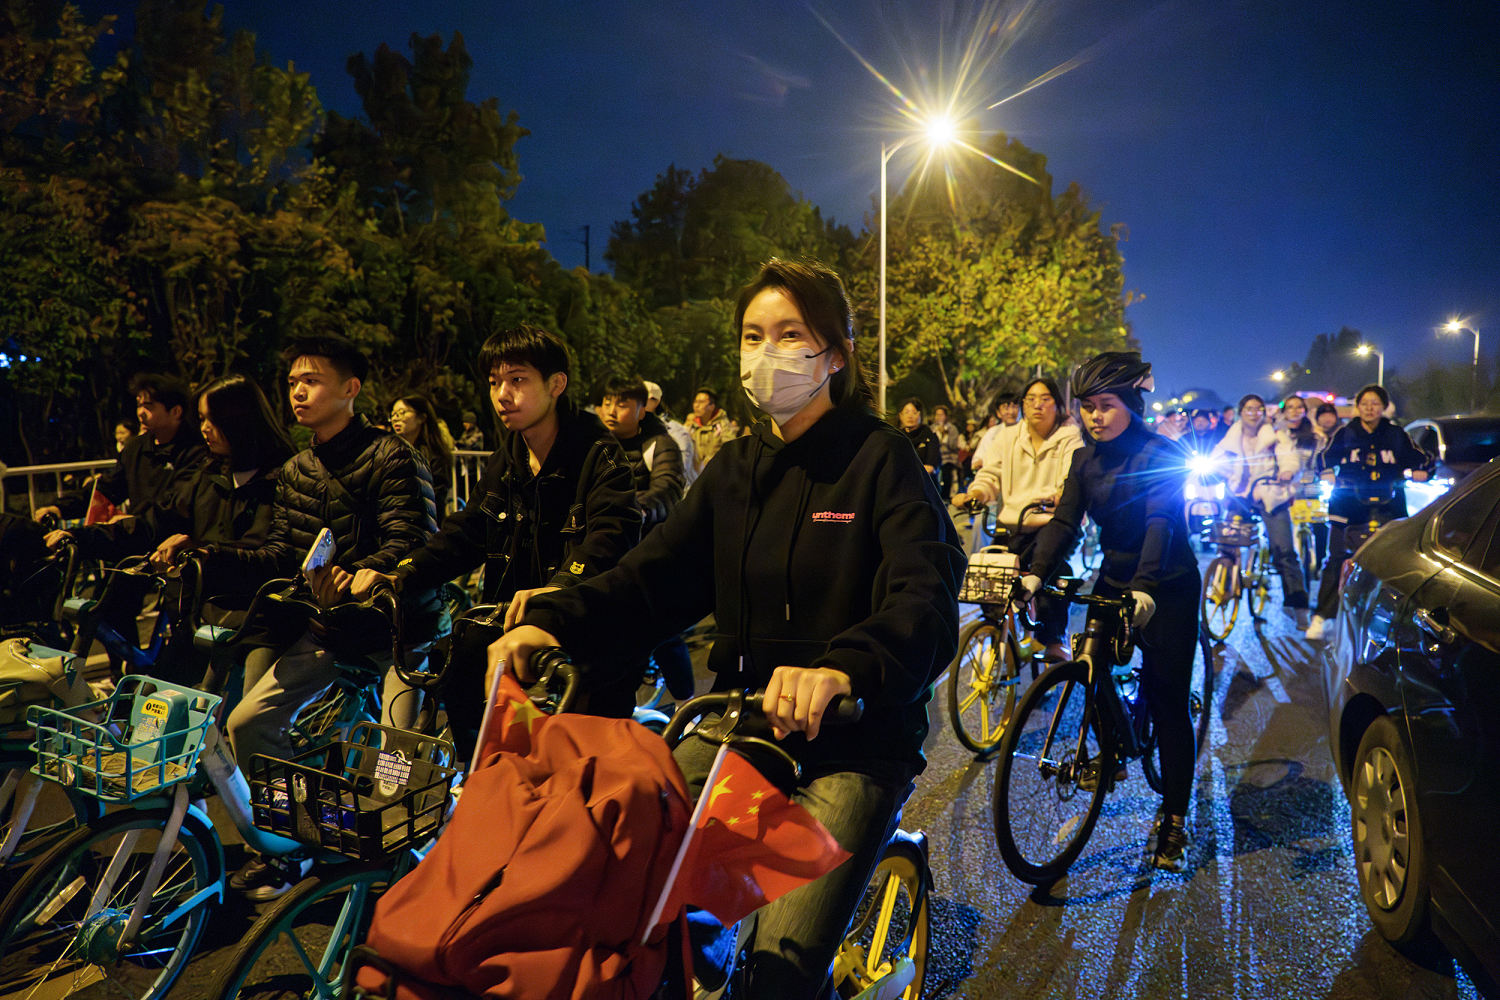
234	793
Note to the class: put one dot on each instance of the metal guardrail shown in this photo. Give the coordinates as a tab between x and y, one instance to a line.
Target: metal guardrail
32	472
464	475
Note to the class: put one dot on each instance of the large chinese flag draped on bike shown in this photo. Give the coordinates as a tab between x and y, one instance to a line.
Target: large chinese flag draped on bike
749	845
540	886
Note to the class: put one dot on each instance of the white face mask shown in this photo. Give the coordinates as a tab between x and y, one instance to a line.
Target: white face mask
780	382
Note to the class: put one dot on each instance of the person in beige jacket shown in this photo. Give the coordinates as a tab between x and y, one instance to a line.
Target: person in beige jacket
1251	450
1027	462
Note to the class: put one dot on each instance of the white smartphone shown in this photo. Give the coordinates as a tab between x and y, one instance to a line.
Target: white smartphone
321	553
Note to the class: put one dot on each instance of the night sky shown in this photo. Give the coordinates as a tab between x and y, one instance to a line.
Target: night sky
1284	169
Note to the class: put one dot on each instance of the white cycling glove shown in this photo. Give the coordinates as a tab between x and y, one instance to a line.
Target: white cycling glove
1145	607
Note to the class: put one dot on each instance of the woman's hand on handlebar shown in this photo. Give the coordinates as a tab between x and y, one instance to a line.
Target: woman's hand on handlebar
512	651
57	538
797	697
977	495
517	606
367	579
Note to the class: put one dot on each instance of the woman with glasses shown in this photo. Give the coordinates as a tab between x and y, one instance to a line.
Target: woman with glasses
417	423
1251	450
1030	463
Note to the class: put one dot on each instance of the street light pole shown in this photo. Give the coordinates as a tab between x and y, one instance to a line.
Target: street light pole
1364	350
1454	326
885	157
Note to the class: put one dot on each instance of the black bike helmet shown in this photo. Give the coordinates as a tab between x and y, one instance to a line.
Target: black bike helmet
1120	372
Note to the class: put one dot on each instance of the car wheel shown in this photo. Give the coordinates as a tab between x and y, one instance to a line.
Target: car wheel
1387	830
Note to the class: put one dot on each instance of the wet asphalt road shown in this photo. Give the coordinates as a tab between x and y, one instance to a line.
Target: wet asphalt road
1269	906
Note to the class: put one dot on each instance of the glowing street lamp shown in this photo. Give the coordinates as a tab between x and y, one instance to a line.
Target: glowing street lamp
1364	351
1458	326
939	132
1279	375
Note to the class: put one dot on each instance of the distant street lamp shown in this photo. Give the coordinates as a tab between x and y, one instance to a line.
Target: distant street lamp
1364	351
1279	375
1457	326
939	132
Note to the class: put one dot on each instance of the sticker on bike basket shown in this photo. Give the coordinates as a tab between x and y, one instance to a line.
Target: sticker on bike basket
157	708
392	770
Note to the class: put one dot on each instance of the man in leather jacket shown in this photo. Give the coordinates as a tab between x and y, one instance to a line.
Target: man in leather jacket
555	505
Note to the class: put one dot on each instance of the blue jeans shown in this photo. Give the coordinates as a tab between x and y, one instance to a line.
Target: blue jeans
795	937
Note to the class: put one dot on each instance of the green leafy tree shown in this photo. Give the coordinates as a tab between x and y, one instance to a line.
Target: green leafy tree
990	277
692	242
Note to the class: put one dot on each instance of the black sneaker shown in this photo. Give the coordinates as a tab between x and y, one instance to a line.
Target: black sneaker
1171	845
262	879
1090	778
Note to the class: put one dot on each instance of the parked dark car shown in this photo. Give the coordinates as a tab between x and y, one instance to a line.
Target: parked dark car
1414	719
1460	445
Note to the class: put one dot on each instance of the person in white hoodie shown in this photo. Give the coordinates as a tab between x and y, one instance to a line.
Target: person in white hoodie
1253	449
1026	462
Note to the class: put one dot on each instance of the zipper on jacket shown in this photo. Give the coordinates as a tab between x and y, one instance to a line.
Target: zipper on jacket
458	921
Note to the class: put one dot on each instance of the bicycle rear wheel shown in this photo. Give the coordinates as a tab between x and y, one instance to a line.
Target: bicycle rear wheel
299	946
1043	815
887	939
57	940
1200	706
982	682
1221	596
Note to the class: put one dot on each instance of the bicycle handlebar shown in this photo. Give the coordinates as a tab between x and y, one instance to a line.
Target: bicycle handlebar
741	708
1066	587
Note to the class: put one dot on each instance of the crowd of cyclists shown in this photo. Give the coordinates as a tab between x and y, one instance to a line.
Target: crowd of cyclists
820	541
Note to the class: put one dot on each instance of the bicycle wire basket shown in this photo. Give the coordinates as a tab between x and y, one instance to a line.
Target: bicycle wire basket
141	740
991	572
1236	531
373	795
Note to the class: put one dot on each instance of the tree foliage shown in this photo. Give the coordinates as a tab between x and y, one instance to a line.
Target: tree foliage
692	242
177	200
990	276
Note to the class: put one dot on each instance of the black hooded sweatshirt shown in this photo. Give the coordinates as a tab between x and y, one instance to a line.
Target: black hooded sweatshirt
831	550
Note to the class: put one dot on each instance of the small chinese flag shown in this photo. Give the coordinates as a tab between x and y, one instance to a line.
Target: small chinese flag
749	844
101	510
515	719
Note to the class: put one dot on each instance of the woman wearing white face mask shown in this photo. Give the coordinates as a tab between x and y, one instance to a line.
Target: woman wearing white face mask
826	555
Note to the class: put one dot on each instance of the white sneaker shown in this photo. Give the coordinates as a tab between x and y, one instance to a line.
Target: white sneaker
1315	629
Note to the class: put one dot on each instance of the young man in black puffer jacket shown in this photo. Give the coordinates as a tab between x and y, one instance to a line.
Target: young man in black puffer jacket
375	495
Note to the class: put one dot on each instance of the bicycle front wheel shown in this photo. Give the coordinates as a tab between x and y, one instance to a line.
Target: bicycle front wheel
61	925
1258	583
54	812
1221	596
299	946
1043	813
982	683
887	939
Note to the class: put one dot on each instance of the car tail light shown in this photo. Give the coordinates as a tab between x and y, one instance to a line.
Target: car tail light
1346	571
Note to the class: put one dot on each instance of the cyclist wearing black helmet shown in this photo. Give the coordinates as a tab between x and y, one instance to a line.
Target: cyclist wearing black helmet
1130	482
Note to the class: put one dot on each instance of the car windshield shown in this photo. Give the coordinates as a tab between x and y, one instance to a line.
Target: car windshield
1472	441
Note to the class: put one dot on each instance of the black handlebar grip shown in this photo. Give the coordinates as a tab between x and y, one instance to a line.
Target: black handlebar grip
843	710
